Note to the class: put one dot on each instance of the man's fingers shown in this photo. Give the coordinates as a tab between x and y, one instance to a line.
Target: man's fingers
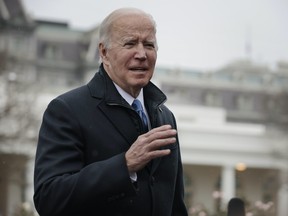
160	133
156	144
148	146
158	129
159	153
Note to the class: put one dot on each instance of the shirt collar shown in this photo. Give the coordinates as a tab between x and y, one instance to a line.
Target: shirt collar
128	97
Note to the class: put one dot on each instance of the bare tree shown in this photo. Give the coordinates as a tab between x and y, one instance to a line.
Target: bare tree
17	120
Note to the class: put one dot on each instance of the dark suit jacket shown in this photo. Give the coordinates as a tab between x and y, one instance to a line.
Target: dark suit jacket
80	166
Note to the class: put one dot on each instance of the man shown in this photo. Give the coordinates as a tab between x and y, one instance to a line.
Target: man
95	154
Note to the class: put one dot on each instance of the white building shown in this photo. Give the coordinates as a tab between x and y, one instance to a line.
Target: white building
232	122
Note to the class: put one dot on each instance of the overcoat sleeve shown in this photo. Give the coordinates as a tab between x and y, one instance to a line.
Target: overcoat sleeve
64	184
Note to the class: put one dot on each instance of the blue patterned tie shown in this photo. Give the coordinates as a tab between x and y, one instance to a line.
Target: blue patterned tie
137	106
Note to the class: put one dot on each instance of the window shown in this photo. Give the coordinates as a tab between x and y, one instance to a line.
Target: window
51	51
213	99
244	102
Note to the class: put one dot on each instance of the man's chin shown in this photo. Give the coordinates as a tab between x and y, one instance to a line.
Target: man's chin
141	84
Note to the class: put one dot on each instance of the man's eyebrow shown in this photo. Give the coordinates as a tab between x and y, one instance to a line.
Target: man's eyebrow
150	40
133	39
128	39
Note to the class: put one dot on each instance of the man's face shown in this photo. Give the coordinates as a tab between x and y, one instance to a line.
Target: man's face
132	52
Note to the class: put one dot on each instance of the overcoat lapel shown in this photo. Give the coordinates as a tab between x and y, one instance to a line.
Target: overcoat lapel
125	126
113	106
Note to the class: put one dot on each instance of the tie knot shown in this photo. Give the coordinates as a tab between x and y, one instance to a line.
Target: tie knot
137	105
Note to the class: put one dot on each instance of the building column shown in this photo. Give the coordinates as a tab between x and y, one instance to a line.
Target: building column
283	193
15	182
228	183
29	189
283	200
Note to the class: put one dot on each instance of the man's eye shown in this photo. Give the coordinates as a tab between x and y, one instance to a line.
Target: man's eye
129	44
150	45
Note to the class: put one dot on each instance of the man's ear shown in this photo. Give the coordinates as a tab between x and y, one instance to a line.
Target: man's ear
102	52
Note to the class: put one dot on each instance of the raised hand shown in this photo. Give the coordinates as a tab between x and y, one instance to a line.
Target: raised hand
148	146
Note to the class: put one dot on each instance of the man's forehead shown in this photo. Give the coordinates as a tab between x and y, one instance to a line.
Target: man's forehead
129	35
134	21
132	32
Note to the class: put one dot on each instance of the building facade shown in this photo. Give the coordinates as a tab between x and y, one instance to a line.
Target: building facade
232	122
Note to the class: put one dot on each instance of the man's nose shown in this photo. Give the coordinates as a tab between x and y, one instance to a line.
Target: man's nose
140	52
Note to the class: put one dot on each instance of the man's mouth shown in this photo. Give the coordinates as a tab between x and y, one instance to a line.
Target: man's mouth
139	69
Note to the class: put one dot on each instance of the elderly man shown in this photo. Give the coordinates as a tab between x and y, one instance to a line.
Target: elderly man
110	148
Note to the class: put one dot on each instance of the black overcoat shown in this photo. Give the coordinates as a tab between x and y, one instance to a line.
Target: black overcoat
80	167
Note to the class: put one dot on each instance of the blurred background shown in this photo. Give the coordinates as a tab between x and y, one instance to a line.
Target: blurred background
223	65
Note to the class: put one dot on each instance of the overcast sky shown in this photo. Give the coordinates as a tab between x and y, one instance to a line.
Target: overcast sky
195	34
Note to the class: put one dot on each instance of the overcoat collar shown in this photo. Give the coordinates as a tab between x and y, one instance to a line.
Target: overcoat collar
101	86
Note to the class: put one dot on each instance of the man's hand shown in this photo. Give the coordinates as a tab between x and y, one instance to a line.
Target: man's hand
147	147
